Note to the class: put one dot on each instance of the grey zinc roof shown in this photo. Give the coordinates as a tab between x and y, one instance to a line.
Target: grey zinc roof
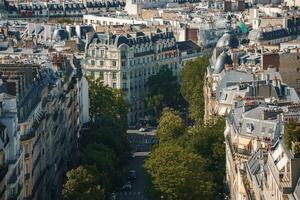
261	128
255	166
222	60
228	39
232	76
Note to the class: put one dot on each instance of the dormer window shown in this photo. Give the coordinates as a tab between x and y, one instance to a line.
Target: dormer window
249	127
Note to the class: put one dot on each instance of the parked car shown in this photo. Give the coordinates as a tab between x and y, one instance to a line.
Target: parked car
143	129
127	187
132	156
131	175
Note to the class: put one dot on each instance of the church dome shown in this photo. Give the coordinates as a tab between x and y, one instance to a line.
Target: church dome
222	60
228	40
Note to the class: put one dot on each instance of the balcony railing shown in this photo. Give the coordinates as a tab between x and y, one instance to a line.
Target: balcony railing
243	152
29	135
38	181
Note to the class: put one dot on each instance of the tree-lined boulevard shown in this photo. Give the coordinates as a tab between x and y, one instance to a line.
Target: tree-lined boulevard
187	158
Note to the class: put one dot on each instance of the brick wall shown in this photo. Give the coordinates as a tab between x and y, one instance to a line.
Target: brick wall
192	34
270	60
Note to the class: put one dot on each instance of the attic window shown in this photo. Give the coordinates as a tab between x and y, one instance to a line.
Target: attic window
249	127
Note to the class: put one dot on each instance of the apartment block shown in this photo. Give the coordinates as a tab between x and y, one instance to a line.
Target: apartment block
44	105
10	154
126	61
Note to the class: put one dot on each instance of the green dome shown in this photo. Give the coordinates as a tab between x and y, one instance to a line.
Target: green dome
242	26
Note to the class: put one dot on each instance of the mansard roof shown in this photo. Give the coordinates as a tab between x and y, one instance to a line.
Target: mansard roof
118	40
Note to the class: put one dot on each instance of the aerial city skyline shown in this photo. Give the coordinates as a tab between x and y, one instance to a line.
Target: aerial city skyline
149	100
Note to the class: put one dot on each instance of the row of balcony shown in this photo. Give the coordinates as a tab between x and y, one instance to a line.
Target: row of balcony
29	135
283	183
38	181
236	151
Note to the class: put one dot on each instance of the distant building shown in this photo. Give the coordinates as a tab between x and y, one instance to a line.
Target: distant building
287	63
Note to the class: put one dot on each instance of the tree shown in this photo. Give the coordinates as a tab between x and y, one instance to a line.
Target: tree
82	186
164	91
104	148
208	142
192	83
291	133
179	174
171	126
107	102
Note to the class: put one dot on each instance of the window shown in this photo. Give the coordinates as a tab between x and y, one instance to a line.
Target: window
92	62
101	62
124	87
114	75
101	53
123	63
123	54
249	127
124	75
114	63
298	83
101	76
225	97
114	85
26	148
93	52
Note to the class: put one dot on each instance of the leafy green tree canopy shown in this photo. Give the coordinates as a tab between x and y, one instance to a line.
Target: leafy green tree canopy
163	91
178	174
171	126
82	186
192	83
107	102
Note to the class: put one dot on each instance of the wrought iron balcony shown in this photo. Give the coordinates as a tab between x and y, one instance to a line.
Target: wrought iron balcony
29	135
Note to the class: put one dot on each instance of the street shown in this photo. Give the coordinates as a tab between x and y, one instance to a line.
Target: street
141	143
138	186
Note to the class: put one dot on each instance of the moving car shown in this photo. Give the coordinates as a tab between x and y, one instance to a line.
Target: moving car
131	175
127	187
